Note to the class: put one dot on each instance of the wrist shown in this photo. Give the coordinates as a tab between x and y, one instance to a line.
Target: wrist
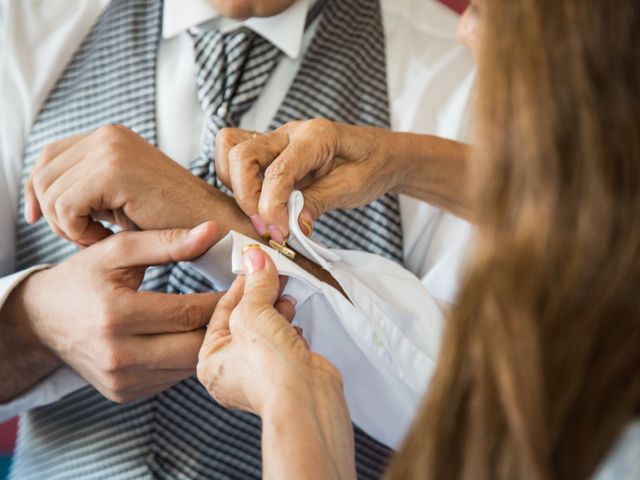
308	432
24	360
223	210
25	310
21	313
321	389
399	155
435	170
286	398
378	146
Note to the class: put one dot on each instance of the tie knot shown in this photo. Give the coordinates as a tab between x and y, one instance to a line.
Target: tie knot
220	61
239	36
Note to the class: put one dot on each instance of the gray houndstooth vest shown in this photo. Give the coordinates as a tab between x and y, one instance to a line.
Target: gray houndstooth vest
183	433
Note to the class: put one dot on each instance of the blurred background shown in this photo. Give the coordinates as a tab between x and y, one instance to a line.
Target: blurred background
457	5
8	430
7	437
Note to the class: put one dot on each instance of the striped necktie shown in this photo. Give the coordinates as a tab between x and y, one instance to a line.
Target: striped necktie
232	70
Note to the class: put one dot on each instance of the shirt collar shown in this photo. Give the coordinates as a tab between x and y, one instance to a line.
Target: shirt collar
285	30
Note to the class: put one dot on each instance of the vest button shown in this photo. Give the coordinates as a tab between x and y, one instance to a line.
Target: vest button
223	110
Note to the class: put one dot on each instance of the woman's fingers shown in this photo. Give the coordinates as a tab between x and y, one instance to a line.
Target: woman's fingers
309	155
241	157
262	170
246	163
249	334
286	306
226	305
261	283
226	139
296	162
256	290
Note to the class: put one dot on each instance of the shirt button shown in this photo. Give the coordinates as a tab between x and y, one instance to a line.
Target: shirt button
223	110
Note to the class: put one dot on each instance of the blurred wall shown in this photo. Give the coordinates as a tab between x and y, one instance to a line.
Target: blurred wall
7	435
457	5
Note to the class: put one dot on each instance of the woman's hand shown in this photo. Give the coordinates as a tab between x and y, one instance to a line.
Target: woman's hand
251	355
336	165
253	359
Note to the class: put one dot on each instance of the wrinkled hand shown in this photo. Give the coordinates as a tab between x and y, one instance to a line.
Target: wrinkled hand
335	165
113	174
127	344
252	357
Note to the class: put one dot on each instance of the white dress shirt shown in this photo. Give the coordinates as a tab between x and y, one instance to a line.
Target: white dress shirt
384	338
429	74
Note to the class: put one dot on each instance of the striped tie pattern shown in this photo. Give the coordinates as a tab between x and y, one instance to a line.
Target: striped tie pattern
182	433
232	70
343	78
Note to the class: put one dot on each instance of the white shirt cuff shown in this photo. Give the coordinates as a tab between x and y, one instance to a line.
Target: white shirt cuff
8	283
57	385
384	339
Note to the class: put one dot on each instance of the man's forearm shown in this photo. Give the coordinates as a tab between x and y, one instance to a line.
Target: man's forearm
23	360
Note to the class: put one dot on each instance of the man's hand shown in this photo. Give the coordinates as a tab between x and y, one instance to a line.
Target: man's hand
89	313
115	175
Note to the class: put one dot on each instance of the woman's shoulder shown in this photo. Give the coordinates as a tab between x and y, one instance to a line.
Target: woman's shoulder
624	460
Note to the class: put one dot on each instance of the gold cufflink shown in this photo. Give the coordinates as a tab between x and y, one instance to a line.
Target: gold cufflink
283	249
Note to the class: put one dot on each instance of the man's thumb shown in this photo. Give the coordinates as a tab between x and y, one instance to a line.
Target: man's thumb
196	241
157	247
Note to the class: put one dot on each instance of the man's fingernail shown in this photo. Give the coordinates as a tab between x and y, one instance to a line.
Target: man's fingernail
276	234
289	299
253	258
197	231
259	225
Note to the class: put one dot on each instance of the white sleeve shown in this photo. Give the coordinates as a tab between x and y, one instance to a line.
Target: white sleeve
431	77
384	339
60	383
7	218
63	381
436	247
385	343
37	39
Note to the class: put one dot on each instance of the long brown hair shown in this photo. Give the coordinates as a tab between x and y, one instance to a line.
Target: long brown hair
539	371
